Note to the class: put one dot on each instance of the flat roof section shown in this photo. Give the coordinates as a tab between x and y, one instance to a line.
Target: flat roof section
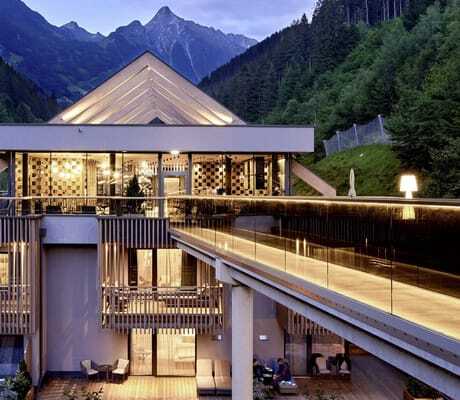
157	138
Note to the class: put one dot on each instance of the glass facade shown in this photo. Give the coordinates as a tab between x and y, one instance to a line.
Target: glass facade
114	174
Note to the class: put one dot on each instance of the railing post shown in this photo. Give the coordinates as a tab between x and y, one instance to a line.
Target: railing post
355	129
382	128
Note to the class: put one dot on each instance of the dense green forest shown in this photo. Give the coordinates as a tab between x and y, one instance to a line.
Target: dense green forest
21	100
333	73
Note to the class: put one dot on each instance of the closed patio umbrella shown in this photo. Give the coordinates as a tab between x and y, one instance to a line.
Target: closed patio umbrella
352	190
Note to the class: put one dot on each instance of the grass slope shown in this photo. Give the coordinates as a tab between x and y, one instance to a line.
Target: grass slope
376	170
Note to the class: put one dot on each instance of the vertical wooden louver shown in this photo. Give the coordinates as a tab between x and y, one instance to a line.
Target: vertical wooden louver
296	324
124	307
19	292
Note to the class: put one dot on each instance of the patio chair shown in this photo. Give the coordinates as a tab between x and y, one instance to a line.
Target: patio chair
343	369
321	366
222	378
89	369
120	369
204	379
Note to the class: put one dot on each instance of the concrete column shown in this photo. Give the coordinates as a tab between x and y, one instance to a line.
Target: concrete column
242	342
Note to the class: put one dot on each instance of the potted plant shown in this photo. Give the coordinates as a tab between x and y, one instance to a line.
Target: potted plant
418	390
20	386
134	190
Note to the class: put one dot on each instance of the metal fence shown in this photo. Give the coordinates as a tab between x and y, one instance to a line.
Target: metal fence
358	135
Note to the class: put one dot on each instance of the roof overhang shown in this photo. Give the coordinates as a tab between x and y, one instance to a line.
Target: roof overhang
162	138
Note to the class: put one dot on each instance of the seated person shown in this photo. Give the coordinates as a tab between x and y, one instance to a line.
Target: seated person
283	373
257	369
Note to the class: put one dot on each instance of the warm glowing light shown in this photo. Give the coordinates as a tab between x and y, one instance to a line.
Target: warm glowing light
408	185
175	152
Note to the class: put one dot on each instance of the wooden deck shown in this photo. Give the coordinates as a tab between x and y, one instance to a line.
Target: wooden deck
371	379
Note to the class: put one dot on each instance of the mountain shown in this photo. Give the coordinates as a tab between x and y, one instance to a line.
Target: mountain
68	61
75	32
192	49
21	100
403	66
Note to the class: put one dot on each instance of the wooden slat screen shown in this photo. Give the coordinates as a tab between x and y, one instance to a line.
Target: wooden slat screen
125	308
299	325
20	241
135	232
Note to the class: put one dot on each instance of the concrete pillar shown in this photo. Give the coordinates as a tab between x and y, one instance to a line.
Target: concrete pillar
242	342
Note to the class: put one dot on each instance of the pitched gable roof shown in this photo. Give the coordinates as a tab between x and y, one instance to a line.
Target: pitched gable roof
145	90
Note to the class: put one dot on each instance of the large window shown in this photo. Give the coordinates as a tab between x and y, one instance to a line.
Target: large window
4	269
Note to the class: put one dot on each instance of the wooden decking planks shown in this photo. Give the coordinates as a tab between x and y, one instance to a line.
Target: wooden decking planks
371	379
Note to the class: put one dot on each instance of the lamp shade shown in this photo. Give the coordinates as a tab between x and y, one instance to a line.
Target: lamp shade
408	183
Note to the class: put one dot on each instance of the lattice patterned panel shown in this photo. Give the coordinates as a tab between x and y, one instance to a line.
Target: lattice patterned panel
210	176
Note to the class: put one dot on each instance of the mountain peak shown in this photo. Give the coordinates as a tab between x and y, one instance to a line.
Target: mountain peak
71	25
164	11
163	16
75	31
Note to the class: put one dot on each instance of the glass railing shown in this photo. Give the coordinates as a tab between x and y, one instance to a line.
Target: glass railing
400	257
152	207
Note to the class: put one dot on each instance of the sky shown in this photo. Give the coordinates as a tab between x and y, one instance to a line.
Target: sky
254	18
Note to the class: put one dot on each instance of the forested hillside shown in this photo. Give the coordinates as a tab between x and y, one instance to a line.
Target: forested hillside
405	68
21	100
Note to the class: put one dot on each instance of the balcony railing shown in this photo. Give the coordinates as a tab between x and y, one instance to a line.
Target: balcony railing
15	309
400	257
199	308
77	205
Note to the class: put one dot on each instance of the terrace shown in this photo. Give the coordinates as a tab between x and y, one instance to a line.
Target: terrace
395	256
388	385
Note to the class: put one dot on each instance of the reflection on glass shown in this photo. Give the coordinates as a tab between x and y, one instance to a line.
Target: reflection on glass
4	269
175	352
145	168
169	268
141	352
144	269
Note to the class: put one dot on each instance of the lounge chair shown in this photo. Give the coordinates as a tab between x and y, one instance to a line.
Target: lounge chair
322	366
89	369
120	369
343	369
204	380
222	378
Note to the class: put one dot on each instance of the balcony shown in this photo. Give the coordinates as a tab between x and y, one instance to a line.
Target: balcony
397	257
150	207
19	277
199	308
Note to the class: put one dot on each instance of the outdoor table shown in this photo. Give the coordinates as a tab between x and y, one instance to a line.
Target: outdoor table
104	368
